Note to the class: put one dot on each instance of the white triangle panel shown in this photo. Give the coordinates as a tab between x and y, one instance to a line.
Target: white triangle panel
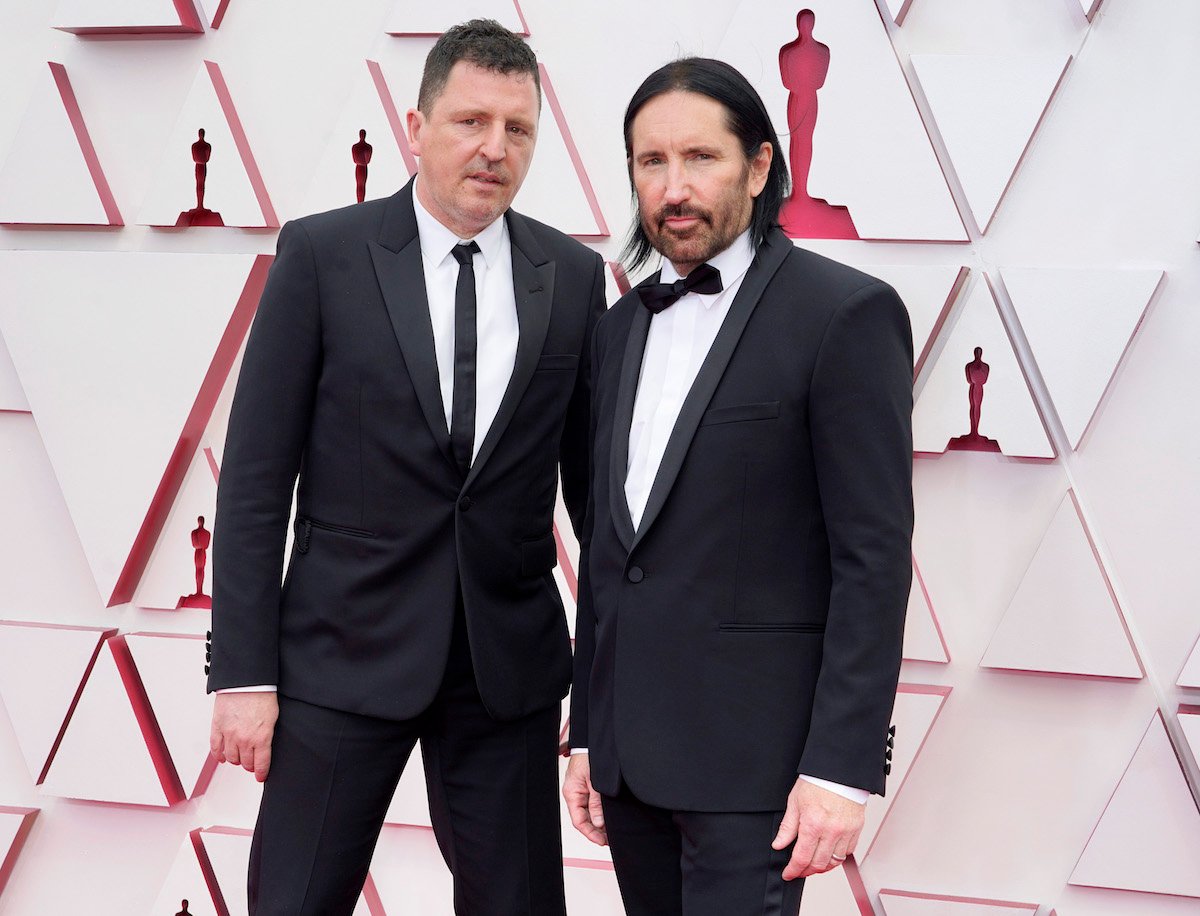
42	672
410	803
917	709
233	186
1089	7
84	348
871	152
370	107
591	888
987	108
12	395
15	824
1063	618
1054	306
410	18
410	874
557	189
126	17
52	175
104	755
1151	802
172	671
213	11
923	639
185	881
906	903
1190	675
898	9
1008	413
1189	720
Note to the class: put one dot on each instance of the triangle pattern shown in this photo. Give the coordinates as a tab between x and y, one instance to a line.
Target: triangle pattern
15	824
923	639
118	446
410	803
870	152
1008	416
412	877
127	17
905	903
839	892
1151	800
1190	675
898	9
557	189
987	108
171	668
1189	721
52	175
1089	8
12	395
104	755
1063	618
185	881
1054	306
233	185
917	709
370	107
213	11
43	668
410	18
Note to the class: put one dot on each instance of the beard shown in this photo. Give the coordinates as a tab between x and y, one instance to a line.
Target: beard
715	229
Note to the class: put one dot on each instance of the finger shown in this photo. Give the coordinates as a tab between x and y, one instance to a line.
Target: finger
578	808
247	758
802	854
595	807
787	827
262	763
821	860
232	751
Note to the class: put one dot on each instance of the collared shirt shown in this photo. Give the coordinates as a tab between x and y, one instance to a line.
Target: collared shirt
496	312
676	345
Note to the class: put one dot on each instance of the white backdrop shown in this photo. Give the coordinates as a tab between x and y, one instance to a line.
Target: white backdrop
1053	682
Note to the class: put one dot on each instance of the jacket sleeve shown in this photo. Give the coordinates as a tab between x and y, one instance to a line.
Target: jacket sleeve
860	411
268	428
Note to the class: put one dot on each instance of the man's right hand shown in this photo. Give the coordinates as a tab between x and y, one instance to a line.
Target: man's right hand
583	802
242	727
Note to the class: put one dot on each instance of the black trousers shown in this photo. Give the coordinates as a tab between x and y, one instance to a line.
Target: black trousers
493	798
693	863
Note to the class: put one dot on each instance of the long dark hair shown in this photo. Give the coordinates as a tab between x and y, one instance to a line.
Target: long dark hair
746	117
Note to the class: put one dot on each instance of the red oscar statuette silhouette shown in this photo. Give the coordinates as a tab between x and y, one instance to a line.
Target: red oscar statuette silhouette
201	538
200	215
977	375
361	152
185	911
803	65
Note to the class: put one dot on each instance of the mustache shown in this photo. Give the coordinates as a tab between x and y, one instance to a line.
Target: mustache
679	211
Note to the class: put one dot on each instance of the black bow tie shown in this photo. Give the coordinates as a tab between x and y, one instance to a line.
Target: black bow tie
705	279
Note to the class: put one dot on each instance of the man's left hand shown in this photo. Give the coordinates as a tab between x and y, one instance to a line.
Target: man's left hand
824	825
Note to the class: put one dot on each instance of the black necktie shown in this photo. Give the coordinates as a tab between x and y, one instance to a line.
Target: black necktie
462	413
704	279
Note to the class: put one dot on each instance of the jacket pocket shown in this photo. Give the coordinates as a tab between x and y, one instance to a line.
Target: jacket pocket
558	361
771	627
305	526
767	410
539	557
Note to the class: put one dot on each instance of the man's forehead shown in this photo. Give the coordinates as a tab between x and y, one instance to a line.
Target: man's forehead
680	115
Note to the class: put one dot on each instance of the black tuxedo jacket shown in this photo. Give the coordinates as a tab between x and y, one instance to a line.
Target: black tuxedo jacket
751	628
339	386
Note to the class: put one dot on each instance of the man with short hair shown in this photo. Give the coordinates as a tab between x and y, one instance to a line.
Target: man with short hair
421	364
745	569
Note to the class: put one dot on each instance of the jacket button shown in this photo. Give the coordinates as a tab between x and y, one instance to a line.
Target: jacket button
635	574
464	504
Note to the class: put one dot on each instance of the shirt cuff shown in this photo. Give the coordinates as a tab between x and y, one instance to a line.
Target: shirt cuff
578	750
857	795
258	688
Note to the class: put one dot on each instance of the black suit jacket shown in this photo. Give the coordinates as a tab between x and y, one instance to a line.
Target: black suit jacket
339	386
751	628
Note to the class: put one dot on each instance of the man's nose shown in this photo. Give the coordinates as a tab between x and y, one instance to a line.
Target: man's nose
677	190
494	143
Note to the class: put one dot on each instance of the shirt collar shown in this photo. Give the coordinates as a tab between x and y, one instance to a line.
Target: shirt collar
732	263
437	240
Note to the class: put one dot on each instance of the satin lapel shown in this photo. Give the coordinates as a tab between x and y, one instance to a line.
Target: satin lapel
401	276
631	370
533	287
768	260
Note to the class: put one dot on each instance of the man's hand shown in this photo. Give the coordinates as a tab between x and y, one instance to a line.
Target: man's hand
242	727
583	802
824	825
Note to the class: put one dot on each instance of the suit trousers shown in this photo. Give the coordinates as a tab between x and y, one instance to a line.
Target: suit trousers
493	799
696	863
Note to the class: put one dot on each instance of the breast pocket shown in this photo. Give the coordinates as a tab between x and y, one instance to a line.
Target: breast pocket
738	413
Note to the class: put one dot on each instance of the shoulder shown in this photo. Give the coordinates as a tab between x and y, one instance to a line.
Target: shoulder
827	280
344	223
557	245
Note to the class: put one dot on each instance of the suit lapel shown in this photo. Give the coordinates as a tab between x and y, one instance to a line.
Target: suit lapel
533	289
767	261
627	385
401	275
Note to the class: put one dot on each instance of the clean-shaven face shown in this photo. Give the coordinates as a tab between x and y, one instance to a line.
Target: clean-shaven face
475	144
695	187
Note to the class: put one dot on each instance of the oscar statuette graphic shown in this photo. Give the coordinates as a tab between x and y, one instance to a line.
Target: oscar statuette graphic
977	375
803	66
200	215
361	153
201	539
185	911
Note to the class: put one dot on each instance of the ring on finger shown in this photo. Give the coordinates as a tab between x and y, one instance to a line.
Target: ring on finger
837	858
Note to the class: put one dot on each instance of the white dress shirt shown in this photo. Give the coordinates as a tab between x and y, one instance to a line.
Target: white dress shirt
495	316
676	345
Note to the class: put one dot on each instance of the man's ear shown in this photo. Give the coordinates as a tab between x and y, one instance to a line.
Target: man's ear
415	121
760	168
